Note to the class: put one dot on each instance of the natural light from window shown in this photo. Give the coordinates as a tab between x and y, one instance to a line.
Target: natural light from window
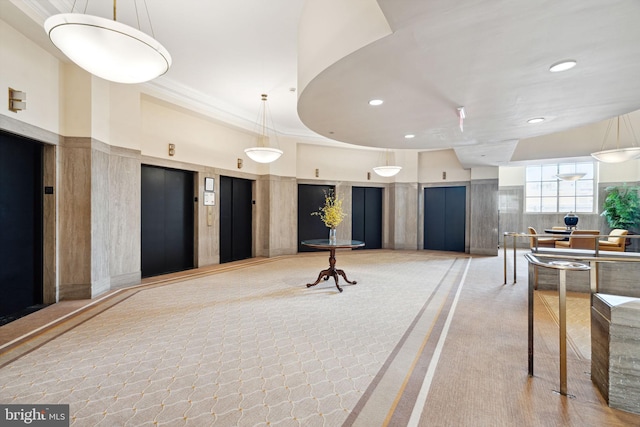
545	193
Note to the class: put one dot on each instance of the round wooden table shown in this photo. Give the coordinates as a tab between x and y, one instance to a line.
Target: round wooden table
332	271
565	232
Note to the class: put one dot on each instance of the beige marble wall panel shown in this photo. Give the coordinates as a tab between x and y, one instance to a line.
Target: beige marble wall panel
624	357
389	223
72	291
511	207
74	213
208	224
385	216
483	224
50	223
615	354
600	323
284	216
404	230
124	217
261	216
99	218
124	280
276	216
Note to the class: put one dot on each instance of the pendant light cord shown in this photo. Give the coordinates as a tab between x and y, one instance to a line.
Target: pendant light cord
135	4
263	132
627	124
85	6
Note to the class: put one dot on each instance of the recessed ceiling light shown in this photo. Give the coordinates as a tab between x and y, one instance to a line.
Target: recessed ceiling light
535	120
564	65
409	136
376	102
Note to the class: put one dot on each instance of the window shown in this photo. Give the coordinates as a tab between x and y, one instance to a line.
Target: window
544	192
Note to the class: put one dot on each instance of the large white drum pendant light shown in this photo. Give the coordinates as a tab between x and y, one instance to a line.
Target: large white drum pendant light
107	48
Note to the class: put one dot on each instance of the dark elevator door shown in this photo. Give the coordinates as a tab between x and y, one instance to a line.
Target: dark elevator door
310	199
444	218
236	216
366	219
20	224
167	220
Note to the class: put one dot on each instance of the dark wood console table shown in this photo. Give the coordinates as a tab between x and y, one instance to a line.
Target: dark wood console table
332	271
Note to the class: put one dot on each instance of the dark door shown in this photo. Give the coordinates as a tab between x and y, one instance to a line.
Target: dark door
235	218
444	218
20	224
310	199
366	216
167	220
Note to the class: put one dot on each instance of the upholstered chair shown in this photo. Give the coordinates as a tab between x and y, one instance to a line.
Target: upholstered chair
579	242
615	242
543	242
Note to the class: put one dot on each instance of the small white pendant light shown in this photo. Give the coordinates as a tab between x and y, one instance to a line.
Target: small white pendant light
387	170
263	153
107	48
570	176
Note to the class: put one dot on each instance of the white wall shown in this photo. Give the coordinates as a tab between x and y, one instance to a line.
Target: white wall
485	172
511	176
196	139
75	104
353	164
29	68
124	113
433	163
620	172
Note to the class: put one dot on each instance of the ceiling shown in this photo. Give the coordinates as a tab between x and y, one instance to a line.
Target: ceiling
490	57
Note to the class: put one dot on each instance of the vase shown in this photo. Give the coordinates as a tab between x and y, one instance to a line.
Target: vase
332	236
571	220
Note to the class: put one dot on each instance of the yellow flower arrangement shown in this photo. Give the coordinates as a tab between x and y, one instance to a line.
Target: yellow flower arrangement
331	213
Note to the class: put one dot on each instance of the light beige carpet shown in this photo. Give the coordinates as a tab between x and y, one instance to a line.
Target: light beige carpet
246	347
423	339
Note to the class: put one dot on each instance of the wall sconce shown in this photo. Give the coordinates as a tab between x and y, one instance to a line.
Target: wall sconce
317	173
239	163
17	100
172	149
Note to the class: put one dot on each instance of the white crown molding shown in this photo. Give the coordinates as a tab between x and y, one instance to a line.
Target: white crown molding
186	97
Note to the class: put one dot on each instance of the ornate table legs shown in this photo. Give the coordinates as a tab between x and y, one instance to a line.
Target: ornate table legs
332	271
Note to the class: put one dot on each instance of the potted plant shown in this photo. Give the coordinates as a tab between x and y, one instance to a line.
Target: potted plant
621	208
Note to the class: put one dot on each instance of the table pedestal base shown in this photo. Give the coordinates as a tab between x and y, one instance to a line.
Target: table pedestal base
332	271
